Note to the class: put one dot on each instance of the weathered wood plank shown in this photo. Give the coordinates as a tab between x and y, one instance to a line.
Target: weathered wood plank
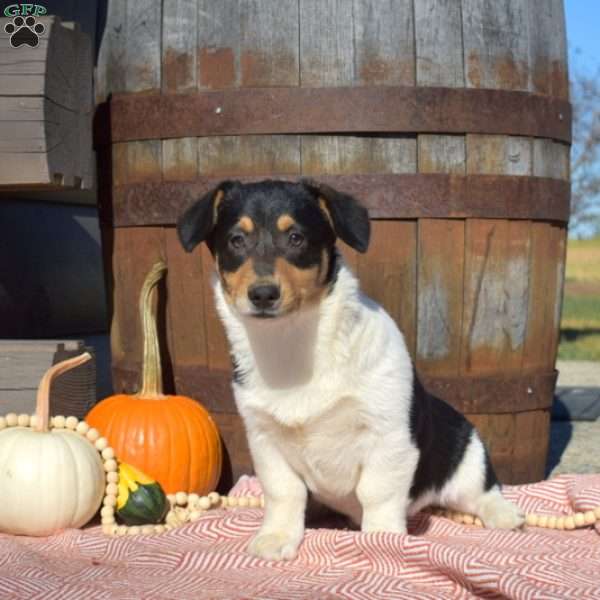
41	146
186	309
439	295
499	155
548	243
551	159
496	44
63	147
249	155
388	273
530	451
441	154
61	84
247	44
438	42
269	43
23	73
143	161
45	110
495	295
384	42
326	43
24	126
135	251
548	48
496	266
219	33
47	70
142	45
180	159
329	155
119	163
217	345
179	42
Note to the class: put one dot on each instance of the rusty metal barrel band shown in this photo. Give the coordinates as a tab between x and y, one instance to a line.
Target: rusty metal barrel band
369	110
495	394
387	196
470	395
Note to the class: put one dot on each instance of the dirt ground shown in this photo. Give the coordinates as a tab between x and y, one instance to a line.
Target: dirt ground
574	447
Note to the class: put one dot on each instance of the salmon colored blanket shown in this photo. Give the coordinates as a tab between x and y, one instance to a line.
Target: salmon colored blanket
207	559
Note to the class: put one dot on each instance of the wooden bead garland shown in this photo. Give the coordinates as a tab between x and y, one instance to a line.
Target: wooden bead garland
190	507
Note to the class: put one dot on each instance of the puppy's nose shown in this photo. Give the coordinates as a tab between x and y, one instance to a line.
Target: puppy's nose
264	296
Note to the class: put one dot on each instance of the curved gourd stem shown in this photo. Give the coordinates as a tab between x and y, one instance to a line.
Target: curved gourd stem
151	374
42	407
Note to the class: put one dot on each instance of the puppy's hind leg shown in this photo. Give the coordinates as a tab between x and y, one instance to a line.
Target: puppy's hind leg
471	490
496	512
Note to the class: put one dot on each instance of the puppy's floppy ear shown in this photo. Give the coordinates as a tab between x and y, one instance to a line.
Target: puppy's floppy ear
198	221
349	218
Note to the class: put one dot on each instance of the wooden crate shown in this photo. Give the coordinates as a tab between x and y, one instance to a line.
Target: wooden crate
46	110
24	362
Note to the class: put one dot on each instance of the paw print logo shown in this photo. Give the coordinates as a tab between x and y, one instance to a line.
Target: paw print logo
24	31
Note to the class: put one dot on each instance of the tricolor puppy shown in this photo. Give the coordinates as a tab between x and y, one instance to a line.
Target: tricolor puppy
322	377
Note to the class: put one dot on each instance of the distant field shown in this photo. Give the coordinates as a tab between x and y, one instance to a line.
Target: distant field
580	325
583	261
581	312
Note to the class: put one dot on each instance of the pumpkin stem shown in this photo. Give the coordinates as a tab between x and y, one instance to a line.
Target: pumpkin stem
152	374
42	407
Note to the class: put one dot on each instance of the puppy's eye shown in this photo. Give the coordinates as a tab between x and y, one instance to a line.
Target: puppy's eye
295	239
237	241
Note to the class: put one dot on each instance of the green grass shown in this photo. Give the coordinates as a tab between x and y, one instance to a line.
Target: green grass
583	260
585	346
580	324
581	312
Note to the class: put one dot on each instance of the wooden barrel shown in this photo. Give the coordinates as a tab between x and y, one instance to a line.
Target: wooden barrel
449	119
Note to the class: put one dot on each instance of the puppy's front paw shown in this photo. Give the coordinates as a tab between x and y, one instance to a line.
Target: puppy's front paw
274	546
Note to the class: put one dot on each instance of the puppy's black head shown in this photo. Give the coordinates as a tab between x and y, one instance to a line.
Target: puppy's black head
273	241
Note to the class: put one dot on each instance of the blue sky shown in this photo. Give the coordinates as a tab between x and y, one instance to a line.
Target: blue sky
583	34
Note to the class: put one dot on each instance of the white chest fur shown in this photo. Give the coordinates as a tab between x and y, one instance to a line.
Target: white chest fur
325	451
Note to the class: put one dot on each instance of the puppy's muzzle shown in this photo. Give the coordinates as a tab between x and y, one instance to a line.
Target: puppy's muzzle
264	297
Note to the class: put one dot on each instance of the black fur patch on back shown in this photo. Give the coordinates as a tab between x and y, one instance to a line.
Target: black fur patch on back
442	435
490	475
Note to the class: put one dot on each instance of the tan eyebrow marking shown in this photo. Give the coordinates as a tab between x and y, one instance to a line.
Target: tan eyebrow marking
246	224
285	222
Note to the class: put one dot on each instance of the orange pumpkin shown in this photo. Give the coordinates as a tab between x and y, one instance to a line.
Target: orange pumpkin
172	439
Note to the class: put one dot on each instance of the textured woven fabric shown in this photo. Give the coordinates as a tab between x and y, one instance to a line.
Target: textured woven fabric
207	559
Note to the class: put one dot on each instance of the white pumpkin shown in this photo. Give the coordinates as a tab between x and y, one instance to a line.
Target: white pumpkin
49	480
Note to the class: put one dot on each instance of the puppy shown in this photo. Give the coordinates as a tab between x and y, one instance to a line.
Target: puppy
322	376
